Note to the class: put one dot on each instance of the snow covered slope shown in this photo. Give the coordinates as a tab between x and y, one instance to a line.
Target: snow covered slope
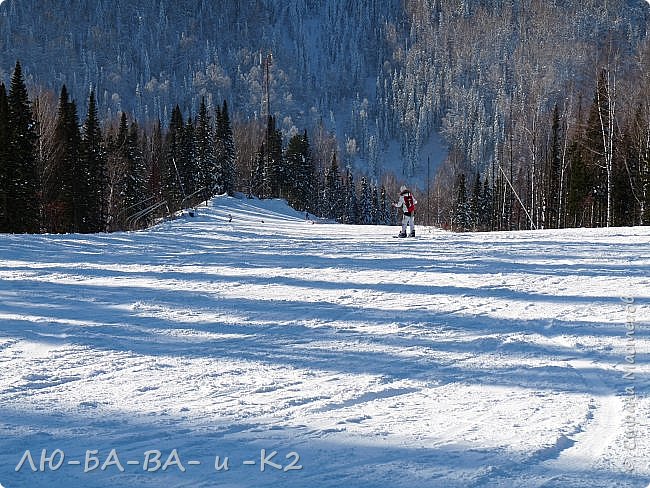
496	360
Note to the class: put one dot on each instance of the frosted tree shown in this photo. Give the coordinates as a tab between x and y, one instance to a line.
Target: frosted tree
135	193
93	162
333	201
351	213
300	173
4	161
462	218
172	183
206	160
65	185
225	151
365	203
21	186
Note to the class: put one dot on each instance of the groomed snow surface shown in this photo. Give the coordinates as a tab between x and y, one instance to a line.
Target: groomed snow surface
450	360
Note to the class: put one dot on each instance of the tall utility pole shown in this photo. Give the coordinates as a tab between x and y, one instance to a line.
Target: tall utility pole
266	64
265	110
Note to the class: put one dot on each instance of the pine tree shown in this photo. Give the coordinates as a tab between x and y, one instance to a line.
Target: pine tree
642	156
636	165
292	156
553	170
625	182
365	203
270	176
65	184
78	183
259	181
93	162
306	183
218	172
4	143
474	203
154	162
579	186
385	208
462	217
300	172
597	157
135	191
21	175
225	151
486	217
118	163
351	212
206	161
172	183
376	209
190	174
332	199
275	171
586	184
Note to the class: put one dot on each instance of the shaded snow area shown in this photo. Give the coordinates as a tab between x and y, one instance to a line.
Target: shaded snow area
203	353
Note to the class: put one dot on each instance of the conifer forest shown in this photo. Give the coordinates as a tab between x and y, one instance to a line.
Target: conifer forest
117	115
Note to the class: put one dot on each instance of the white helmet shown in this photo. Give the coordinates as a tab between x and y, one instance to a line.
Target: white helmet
402	188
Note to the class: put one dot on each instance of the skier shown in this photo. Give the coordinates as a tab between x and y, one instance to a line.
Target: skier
407	204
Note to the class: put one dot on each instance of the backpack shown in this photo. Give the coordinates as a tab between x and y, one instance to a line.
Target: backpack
409	202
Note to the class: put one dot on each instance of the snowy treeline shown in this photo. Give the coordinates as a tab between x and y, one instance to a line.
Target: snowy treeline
545	103
146	56
549	101
59	176
313	184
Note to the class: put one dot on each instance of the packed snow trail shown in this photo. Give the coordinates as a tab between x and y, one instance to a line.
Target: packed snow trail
163	357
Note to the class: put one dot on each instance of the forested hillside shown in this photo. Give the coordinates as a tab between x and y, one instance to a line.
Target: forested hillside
146	56
548	101
543	105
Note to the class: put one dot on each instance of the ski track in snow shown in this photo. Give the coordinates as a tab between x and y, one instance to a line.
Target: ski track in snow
450	360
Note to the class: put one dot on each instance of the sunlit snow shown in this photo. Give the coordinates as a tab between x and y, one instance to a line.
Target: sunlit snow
449	360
